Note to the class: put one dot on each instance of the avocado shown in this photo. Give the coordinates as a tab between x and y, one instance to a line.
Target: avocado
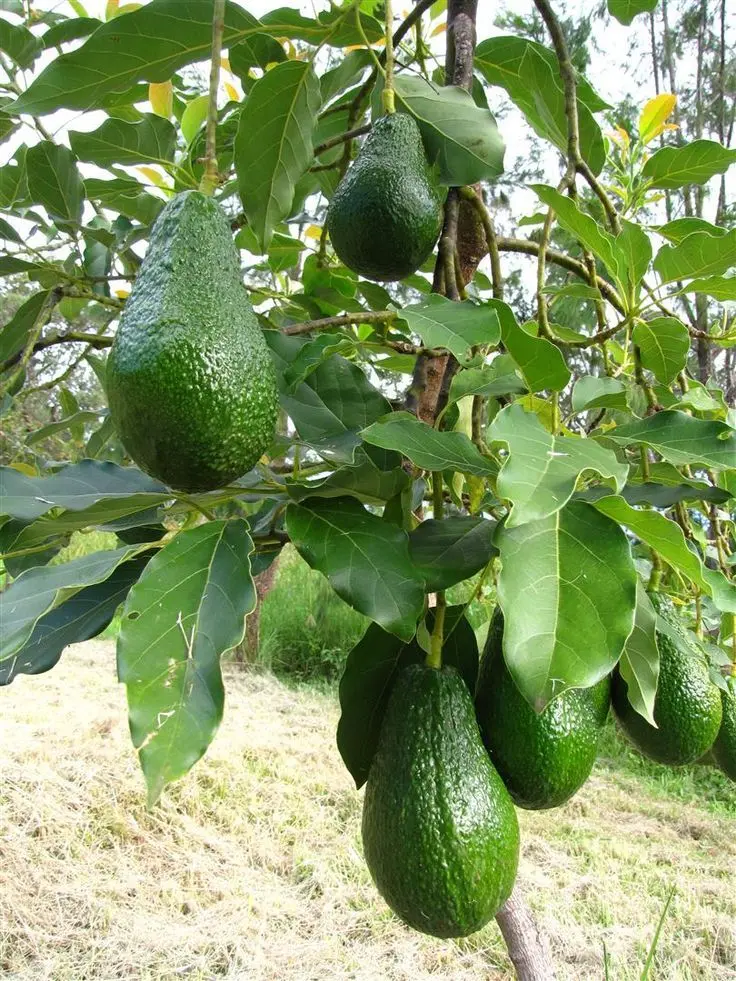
386	213
190	381
543	759
440	833
724	748
687	706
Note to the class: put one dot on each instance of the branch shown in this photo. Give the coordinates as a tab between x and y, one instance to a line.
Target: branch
526	945
342	138
210	177
375	317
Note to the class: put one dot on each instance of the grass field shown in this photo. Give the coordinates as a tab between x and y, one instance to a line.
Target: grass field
251	869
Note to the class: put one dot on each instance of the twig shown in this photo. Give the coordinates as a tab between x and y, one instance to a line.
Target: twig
387	97
351	134
210	177
42	318
374	317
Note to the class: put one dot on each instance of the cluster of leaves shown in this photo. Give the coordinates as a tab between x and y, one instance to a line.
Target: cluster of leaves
564	487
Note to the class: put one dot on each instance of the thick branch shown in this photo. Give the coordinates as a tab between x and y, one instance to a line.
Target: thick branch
526	945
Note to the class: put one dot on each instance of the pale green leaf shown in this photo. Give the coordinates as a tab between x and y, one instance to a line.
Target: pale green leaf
700	254
151	140
664	344
592	392
673	167
721	288
455	326
681	439
639	664
626	10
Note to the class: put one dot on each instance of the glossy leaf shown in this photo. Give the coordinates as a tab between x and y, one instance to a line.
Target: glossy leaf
365	559
626	10
639	664
700	254
151	140
673	167
364	480
450	551
636	249
54	181
540	361
568	591
273	148
370	671
681	439
185	611
455	326
314	353
462	139
427	447
541	471
664	344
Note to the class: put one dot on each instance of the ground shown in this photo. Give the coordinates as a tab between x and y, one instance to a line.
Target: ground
251	869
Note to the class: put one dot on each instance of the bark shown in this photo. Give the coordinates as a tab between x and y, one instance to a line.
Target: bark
247	652
527	946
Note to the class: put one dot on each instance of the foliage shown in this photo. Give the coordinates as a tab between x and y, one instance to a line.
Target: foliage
579	443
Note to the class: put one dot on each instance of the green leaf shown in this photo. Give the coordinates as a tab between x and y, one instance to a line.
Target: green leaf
626	10
530	74
63	425
75	487
370	671
364	480
331	26
455	326
719	287
38	591
588	232
70	30
667	538
541	471
672	167
273	148
330	407
314	353
284	251
8	233
16	332
19	44
700	254
193	117
85	614
633	243
426	447
460	138
639	664
450	551
567	590
681	439
126	197
151	140
679	229
346	73
256	51
13	185
664	344
54	182
499	378
365	559
539	360
592	392
185	611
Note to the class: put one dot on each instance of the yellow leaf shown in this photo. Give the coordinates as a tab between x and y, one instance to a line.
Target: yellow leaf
154	176
232	92
161	97
193	117
438	29
225	63
128	8
25	468
122	294
313	231
111	9
655	114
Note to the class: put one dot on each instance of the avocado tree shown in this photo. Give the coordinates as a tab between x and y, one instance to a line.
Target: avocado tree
427	435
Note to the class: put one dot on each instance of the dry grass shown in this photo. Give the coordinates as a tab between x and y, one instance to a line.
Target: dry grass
252	868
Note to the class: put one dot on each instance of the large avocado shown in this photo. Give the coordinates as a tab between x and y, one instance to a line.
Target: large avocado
440	833
724	748
190	381
543	759
386	213
687	706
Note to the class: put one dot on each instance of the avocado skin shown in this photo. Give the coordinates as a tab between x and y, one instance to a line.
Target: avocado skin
190	381
687	707
386	213
440	833
543	759
724	748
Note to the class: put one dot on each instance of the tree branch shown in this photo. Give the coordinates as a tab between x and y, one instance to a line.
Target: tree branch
527	946
210	177
374	317
342	138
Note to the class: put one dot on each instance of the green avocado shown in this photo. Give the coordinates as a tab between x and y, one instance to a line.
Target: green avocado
687	706
543	759
724	748
440	833
190	381
386	213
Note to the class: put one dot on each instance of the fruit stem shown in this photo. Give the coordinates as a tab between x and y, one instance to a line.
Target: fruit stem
434	657
210	176
655	577
389	102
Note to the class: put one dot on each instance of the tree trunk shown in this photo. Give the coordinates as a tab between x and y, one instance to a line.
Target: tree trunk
527	946
247	652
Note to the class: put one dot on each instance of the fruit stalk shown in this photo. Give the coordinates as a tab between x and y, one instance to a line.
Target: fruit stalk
210	177
389	102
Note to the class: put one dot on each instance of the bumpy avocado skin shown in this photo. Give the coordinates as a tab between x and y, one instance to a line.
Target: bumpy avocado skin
687	707
440	833
190	381
386	213
543	759
724	748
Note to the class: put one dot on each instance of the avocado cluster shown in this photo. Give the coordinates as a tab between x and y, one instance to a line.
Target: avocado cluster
385	216
190	381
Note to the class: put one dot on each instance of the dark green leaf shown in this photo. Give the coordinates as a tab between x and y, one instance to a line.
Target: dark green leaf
185	611
664	344
365	559
568	591
539	360
499	378
256	51
19	44
460	138
346	73
63	425
8	233
13	185
126	197
365	481
16	332
151	140
455	326
672	167
273	148
639	663
70	30
54	181
681	439
450	551
314	353
331	26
